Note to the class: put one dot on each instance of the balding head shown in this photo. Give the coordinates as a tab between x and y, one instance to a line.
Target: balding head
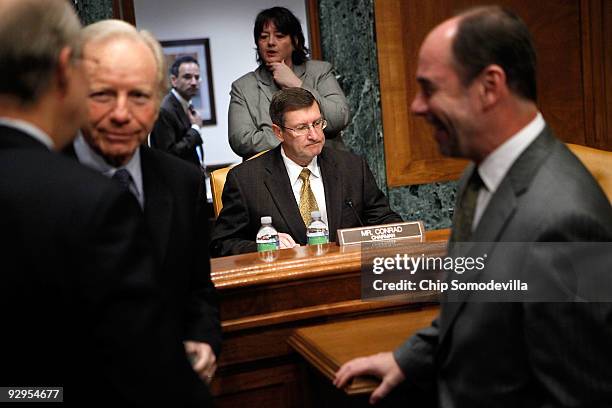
495	35
476	89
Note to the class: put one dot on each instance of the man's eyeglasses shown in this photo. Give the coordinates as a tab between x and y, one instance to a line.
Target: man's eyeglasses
302	130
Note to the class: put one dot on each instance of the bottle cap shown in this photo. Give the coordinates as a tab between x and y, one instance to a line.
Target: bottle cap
266	220
315	214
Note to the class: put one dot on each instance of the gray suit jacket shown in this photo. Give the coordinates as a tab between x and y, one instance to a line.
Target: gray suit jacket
250	126
527	354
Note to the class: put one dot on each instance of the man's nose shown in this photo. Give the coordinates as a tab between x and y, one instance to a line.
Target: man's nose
121	111
418	105
313	133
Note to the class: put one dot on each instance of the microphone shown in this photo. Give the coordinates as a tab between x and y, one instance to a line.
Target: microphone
349	203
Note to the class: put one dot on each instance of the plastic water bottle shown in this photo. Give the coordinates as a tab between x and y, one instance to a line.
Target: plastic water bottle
317	232
267	236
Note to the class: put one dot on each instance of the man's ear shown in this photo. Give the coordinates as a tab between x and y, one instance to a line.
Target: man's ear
493	85
278	132
173	80
64	69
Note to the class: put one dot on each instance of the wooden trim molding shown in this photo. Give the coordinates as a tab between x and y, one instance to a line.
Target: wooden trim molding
312	14
411	153
574	86
124	10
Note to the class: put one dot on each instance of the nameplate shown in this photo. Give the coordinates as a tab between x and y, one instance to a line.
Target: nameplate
380	233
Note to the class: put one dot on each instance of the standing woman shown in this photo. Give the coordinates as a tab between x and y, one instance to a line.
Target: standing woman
283	63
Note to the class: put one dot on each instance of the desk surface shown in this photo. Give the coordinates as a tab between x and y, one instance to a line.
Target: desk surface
292	264
326	347
263	303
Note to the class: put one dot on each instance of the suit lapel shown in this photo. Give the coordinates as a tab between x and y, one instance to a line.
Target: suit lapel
158	202
332	185
265	82
497	216
277	182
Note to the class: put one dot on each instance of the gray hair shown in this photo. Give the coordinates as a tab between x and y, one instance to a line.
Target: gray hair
32	34
110	29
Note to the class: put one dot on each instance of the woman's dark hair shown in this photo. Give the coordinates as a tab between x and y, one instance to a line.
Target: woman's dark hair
286	23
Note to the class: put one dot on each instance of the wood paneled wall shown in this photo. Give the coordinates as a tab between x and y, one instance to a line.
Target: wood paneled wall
574	43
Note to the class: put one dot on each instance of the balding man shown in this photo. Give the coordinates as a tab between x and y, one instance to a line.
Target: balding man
78	304
478	91
124	95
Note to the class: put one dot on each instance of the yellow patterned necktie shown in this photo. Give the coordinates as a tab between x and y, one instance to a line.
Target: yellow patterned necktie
308	202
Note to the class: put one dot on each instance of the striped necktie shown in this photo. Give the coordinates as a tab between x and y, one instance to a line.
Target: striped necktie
123	177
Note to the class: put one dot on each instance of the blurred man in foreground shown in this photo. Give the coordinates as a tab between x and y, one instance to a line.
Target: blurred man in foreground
125	89
78	303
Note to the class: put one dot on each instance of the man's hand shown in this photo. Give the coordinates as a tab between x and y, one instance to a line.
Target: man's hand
283	75
194	116
202	359
286	241
381	365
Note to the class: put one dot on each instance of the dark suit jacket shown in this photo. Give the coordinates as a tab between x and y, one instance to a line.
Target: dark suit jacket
261	187
178	222
528	354
173	133
78	298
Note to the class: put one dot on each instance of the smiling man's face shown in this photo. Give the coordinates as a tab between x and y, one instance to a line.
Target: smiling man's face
123	100
450	107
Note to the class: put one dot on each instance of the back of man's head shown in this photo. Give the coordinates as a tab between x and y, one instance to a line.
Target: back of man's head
495	35
32	34
287	100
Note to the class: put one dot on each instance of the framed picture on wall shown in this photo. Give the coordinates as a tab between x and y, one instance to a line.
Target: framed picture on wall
204	102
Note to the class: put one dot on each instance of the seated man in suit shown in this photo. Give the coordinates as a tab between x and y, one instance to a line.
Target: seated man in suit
125	90
178	127
78	303
295	178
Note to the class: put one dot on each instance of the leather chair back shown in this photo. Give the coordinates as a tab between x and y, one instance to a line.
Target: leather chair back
217	182
598	162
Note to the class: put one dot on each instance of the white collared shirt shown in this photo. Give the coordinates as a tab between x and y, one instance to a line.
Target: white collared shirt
316	182
90	158
28	128
495	166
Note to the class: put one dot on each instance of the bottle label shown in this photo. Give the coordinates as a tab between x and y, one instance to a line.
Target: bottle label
267	246
317	238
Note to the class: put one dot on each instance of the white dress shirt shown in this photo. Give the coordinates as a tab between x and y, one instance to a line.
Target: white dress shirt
90	158
316	182
495	166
